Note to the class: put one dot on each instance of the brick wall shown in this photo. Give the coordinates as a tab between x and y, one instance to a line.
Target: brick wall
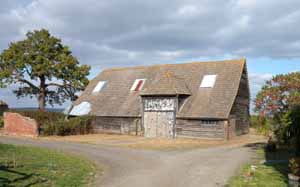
16	124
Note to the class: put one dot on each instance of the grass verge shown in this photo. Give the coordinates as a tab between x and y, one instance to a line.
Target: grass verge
267	169
31	166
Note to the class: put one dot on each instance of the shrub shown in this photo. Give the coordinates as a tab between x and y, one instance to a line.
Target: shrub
271	145
55	123
81	125
1	122
288	131
261	124
294	165
73	126
42	117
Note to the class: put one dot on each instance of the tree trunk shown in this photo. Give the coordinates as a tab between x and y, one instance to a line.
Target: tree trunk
42	94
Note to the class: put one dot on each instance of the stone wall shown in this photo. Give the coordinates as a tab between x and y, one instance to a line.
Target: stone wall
16	124
200	128
118	125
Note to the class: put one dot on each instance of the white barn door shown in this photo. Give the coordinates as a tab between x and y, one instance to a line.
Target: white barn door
159	117
150	124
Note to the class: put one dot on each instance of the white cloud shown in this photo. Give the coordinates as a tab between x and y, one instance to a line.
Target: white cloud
170	54
246	3
126	33
189	10
257	80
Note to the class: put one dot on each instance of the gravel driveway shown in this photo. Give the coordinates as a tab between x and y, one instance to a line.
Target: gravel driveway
125	167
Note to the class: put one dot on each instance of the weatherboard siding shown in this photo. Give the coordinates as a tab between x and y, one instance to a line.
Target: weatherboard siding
192	128
240	108
199	129
117	125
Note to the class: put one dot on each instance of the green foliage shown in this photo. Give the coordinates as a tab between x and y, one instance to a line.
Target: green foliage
290	123
281	125
62	127
1	122
44	68
28	166
261	124
294	165
278	94
279	102
55	123
42	117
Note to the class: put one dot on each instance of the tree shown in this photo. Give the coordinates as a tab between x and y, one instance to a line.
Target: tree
44	68
279	101
291	132
278	95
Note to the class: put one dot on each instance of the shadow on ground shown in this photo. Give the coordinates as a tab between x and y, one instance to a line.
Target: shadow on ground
19	179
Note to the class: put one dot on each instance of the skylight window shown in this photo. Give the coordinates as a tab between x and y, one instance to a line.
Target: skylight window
82	109
99	86
208	81
138	85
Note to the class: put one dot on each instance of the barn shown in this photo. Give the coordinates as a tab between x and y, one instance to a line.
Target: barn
198	99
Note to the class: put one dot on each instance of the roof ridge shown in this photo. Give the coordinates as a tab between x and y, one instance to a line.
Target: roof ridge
241	60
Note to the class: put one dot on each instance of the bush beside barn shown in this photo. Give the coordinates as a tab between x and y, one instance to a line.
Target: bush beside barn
3	107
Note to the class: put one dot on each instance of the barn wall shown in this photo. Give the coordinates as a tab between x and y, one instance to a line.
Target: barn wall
199	129
191	128
240	109
117	125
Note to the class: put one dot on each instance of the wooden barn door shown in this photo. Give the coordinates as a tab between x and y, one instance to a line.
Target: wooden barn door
150	124
159	117
165	124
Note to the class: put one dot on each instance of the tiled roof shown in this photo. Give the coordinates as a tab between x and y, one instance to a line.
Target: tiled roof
167	84
116	99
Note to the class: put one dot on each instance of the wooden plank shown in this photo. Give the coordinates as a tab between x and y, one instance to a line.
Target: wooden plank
201	129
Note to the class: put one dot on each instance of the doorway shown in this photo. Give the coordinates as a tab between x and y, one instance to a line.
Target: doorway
159	117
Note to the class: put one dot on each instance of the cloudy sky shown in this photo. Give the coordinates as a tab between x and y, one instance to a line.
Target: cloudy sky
113	33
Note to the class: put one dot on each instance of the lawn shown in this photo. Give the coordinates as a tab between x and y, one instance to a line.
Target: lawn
266	169
30	166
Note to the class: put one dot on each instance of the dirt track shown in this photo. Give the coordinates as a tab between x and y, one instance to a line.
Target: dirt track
129	167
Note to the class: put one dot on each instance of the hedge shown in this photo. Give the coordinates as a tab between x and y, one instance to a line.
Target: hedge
55	123
1	122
